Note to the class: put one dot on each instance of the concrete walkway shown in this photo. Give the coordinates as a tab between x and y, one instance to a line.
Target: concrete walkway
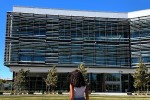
104	93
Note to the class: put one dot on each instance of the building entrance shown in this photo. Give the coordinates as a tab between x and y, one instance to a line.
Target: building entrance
113	82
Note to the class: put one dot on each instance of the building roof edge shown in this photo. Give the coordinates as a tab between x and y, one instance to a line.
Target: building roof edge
139	13
69	12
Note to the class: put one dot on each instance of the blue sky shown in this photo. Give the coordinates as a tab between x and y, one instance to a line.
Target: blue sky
93	5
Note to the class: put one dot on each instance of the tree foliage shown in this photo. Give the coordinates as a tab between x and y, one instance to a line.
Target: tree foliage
83	71
20	81
2	81
51	80
140	76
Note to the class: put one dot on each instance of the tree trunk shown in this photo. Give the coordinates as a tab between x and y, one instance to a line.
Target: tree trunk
48	89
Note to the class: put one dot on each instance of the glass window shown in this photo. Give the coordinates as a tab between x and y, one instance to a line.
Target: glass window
113	77
146	59
76	59
25	58
134	60
38	58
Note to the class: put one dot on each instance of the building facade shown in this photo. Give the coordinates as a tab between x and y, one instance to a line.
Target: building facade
109	44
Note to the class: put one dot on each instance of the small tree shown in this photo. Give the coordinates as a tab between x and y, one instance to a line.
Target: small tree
140	76
148	80
2	81
20	80
83	71
51	79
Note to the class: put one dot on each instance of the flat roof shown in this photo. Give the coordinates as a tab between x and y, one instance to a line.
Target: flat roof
69	12
139	13
51	11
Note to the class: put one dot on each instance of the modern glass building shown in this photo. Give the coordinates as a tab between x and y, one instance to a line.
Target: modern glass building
108	43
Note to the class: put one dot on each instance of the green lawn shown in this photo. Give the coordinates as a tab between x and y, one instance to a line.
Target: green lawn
65	97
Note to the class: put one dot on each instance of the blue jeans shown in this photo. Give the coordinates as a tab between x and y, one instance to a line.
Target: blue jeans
81	98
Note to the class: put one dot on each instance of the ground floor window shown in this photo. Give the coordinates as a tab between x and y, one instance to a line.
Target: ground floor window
98	82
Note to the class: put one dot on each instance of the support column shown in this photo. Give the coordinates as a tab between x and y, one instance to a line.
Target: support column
130	83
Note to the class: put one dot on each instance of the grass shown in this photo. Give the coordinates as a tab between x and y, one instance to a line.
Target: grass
66	97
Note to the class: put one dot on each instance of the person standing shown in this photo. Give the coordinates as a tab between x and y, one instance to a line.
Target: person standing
78	88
